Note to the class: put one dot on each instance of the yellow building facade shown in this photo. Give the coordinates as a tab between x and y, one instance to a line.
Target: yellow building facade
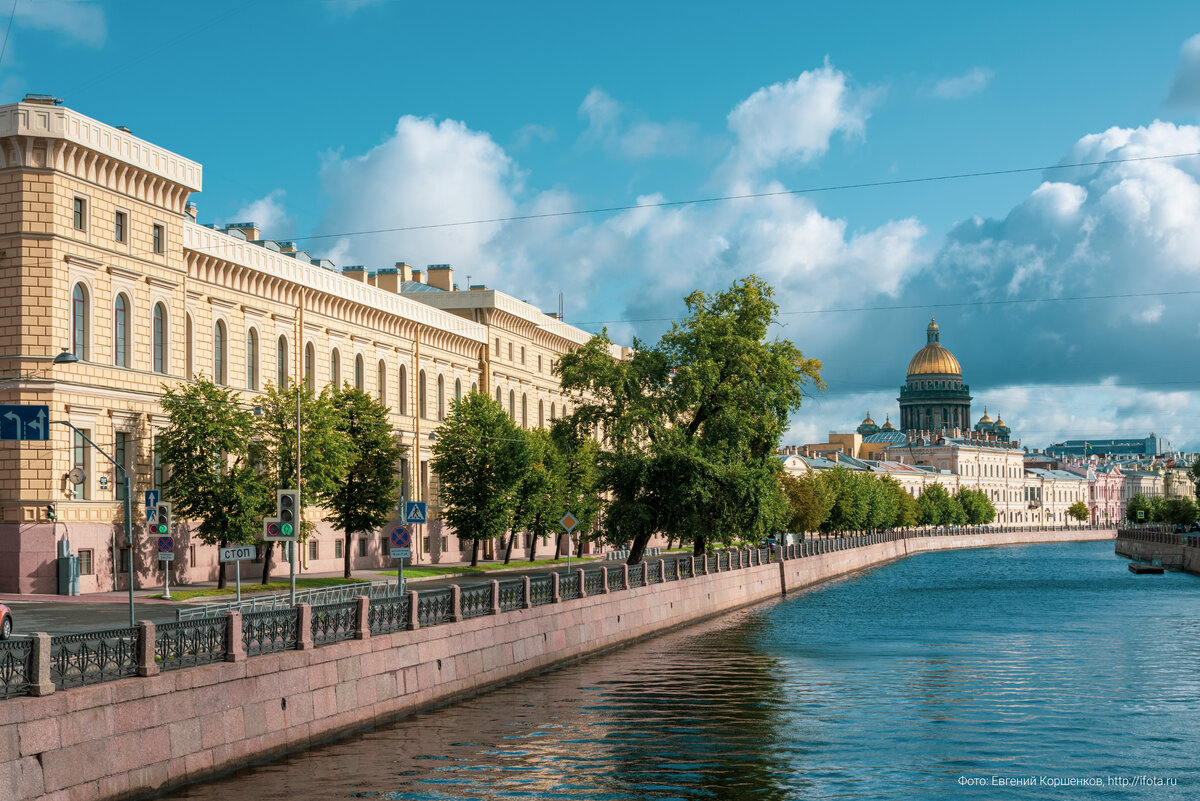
102	256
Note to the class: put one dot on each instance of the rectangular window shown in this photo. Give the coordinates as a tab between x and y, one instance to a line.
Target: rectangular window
510	351
191	556
522	354
81	458
158	466
539	362
425	545
119	226
120	452
362	546
337	549
85	561
80	219
312	551
159	236
125	560
385	545
497	347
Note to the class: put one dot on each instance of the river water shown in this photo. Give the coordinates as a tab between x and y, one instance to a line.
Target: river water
915	680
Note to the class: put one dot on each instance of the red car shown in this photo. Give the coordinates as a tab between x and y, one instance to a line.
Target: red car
6	622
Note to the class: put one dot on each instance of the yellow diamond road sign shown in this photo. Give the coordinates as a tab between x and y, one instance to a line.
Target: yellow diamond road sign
569	522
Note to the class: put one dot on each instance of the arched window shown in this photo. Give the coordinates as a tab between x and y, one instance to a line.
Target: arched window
441	398
541	414
403	389
310	367
335	368
552	417
524	410
251	359
189	355
499	397
80	312
159	326
121	330
421	394
359	373
219	352
474	387
457	390
381	381
512	404
281	363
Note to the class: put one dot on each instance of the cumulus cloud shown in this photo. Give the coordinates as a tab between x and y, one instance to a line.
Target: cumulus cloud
80	20
969	83
795	120
1185	87
611	126
268	212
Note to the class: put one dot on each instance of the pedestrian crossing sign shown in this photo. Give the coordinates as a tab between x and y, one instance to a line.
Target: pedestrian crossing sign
414	512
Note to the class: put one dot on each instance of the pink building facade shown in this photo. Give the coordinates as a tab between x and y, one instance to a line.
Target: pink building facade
1106	487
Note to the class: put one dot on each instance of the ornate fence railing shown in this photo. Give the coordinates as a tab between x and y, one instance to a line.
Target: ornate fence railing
184	643
93	656
475	601
616	579
512	595
593	581
654	572
568	586
334	622
15	667
540	590
388	615
270	631
637	576
435	606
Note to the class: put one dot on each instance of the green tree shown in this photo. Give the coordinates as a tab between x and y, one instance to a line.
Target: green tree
692	423
578	460
365	499
904	504
480	457
851	500
1179	511
1079	510
538	496
936	507
808	501
976	505
325	450
212	479
1139	503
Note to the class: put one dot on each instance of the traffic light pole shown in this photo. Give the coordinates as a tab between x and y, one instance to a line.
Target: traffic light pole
128	511
299	506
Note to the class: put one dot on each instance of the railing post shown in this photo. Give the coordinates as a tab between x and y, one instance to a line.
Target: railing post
362	608
645	574
414	621
146	666
235	649
495	596
455	603
662	571
304	637
625	575
528	604
603	580
582	587
555	597
39	669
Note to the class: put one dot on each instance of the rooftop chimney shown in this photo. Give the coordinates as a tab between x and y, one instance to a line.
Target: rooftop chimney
404	271
251	230
356	272
441	276
388	278
191	209
286	247
418	276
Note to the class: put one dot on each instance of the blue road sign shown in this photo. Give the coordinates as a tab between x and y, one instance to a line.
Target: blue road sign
28	423
414	512
401	538
151	499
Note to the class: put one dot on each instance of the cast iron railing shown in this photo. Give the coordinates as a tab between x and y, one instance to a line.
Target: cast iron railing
15	666
616	579
435	606
512	595
475	601
270	631
568	586
93	656
654	573
540	591
637	576
190	642
593	581
387	615
334	622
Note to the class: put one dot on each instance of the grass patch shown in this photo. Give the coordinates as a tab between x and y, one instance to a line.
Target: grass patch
253	589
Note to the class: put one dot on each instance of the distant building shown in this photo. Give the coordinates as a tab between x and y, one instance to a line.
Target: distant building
934	397
1148	446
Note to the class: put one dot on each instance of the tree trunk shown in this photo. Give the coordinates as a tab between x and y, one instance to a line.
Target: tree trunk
475	552
222	581
558	546
638	548
346	557
579	549
268	554
512	535
533	546
698	546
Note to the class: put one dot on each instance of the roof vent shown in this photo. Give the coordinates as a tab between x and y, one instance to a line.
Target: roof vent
42	100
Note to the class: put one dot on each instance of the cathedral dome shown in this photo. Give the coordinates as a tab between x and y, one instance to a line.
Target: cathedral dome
933	359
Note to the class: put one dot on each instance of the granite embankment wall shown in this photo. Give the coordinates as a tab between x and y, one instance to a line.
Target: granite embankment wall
1146	544
136	736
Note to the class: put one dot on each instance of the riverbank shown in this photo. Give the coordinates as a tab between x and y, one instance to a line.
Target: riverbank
137	736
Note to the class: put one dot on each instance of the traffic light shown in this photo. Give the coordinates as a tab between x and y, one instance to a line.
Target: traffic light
51	512
161	526
287	504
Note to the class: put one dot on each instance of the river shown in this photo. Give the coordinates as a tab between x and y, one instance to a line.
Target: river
936	676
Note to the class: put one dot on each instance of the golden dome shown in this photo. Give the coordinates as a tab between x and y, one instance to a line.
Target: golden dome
985	418
868	421
887	424
933	359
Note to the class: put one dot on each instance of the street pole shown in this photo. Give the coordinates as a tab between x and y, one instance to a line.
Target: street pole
299	505
128	511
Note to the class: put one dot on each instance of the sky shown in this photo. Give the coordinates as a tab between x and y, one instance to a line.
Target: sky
1068	294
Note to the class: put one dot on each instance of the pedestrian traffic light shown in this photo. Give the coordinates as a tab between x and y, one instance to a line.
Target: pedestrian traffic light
287	504
161	526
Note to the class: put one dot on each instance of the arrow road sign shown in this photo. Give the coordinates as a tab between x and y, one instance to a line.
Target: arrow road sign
414	512
401	538
27	423
151	499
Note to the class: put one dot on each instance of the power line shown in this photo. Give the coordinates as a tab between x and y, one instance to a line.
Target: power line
746	196
8	30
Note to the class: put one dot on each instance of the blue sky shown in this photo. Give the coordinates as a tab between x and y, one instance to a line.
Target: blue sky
319	118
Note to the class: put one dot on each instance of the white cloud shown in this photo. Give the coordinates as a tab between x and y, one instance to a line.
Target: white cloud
268	212
969	83
1185	87
795	120
81	20
633	140
526	135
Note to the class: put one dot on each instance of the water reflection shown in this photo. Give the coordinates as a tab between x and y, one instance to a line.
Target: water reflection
895	683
